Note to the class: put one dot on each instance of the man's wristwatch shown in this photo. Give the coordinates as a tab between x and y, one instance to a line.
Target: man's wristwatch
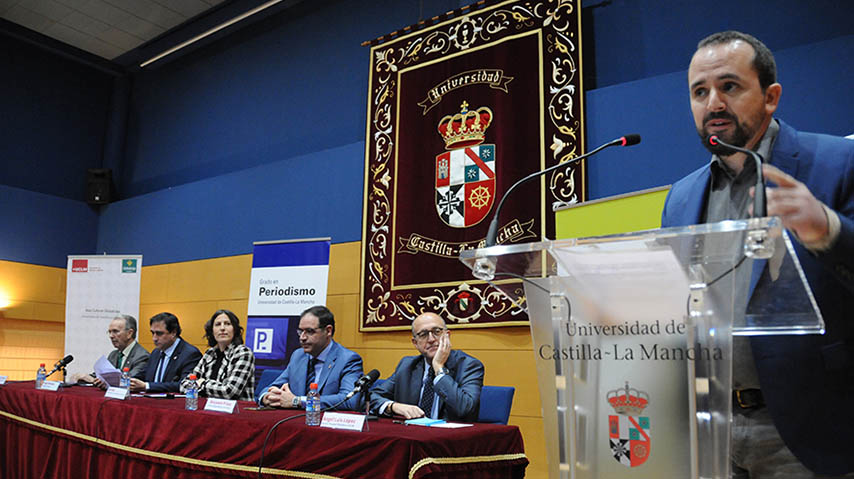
295	402
444	370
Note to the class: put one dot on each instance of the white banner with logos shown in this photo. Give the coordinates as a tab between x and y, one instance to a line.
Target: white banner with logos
99	288
287	278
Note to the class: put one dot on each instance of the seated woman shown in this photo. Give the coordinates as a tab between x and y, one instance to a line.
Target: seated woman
227	370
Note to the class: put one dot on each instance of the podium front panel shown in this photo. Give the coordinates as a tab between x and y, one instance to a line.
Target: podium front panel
632	336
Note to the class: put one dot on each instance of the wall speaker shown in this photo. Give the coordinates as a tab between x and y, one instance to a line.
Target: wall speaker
99	183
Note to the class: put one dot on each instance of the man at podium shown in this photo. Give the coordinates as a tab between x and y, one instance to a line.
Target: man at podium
792	395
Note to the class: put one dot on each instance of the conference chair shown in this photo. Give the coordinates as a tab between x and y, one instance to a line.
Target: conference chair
495	403
267	378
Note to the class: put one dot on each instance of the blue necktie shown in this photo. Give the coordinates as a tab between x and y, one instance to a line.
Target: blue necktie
426	403
309	375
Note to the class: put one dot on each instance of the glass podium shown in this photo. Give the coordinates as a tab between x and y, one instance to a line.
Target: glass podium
632	337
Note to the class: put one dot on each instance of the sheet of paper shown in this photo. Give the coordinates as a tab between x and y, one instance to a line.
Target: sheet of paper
107	372
452	425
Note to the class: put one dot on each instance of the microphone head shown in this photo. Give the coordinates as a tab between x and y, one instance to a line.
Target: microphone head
373	375
632	139
716	146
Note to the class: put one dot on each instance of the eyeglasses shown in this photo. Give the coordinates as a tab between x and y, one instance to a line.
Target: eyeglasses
307	331
435	332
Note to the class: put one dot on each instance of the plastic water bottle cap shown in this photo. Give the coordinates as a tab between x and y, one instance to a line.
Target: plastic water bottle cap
313	386
126	369
193	377
42	365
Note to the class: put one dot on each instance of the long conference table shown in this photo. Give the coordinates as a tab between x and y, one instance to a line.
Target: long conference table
76	432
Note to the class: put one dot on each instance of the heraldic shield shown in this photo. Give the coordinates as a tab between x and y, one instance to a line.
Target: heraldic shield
628	431
465	185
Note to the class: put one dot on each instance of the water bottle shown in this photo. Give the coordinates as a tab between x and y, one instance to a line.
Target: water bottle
312	406
124	382
41	374
191	403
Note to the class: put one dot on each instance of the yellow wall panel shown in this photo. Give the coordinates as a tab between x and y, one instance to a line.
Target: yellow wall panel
236	306
535	445
344	261
20	310
27	282
154	282
49	312
24	344
346	310
210	279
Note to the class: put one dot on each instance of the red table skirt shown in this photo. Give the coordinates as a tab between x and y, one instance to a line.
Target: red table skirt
77	433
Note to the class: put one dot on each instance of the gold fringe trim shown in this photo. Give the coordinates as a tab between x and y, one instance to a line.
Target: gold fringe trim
170	457
463	460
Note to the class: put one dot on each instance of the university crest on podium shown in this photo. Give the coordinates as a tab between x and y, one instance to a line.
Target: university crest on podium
465	174
628	431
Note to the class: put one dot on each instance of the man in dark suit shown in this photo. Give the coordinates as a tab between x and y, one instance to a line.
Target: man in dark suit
128	352
439	383
792	394
319	360
172	360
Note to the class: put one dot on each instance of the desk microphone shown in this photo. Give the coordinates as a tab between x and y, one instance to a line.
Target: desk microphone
721	147
627	140
363	383
61	364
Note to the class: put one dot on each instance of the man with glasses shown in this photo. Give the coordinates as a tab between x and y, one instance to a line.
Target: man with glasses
128	352
172	360
319	360
440	383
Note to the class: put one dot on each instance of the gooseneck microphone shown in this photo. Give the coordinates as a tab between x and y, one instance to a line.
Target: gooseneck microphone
364	383
492	233
759	194
61	364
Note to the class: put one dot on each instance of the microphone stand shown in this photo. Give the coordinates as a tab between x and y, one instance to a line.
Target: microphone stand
367	394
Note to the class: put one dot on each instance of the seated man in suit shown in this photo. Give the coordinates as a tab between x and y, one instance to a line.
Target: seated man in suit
128	352
319	360
172	360
439	383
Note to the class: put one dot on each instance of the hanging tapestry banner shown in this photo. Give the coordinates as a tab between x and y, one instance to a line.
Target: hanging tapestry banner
457	113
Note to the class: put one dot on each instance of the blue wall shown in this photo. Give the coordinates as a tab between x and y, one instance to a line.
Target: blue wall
260	135
52	120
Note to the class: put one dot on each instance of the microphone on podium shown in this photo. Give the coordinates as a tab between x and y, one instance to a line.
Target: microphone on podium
492	233
484	267
721	147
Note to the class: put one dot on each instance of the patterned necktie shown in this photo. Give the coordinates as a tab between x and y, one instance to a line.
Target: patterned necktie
309	375
119	363
426	403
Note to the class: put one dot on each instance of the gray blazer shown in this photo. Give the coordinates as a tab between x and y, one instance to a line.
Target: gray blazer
136	360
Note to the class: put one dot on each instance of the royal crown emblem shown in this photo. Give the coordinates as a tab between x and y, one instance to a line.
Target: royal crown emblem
465	174
466	128
628	431
627	400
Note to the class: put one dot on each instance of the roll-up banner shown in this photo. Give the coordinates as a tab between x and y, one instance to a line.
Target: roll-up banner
287	278
99	288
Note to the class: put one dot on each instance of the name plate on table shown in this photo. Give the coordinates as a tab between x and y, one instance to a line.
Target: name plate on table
338	420
114	392
50	386
3	380
220	405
